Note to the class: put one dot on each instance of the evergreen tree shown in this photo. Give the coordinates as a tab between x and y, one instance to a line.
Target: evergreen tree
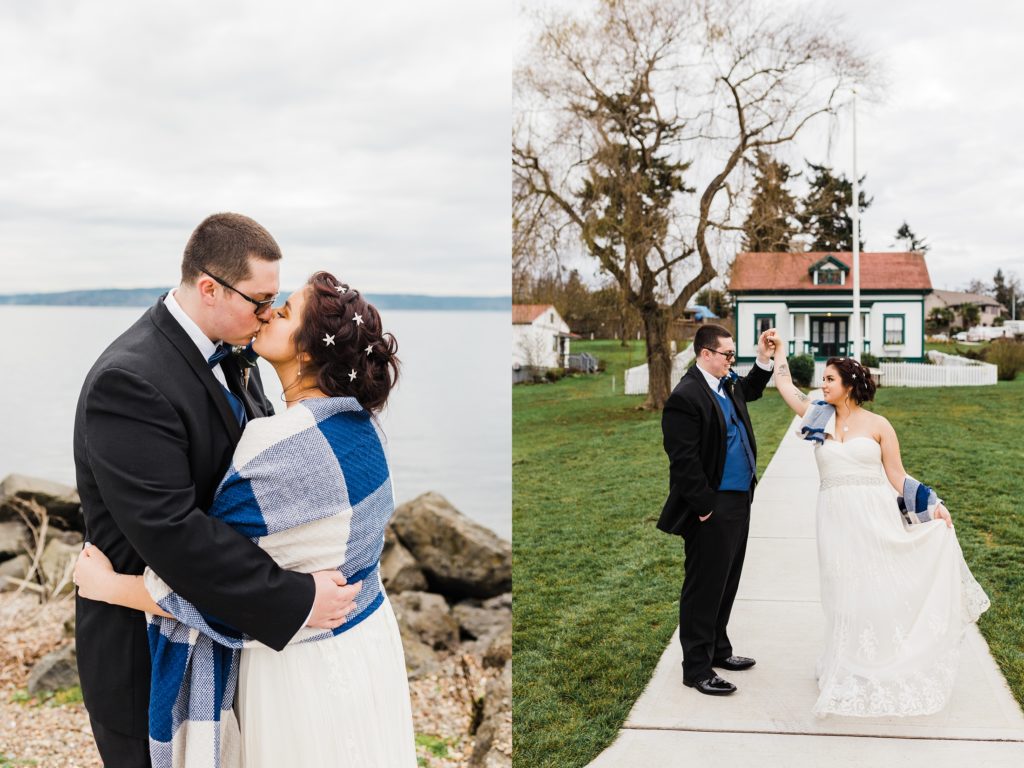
825	215
905	236
772	221
1007	291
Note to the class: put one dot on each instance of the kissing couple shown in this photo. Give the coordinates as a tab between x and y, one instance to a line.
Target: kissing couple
896	592
230	610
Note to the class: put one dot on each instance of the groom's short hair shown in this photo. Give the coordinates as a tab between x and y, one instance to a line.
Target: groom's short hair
222	245
707	337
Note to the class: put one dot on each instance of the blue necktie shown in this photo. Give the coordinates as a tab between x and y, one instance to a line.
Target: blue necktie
222	351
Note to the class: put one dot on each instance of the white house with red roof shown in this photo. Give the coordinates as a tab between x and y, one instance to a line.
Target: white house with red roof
809	298
540	337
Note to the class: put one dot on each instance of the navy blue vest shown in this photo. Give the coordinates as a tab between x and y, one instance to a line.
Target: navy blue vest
739	458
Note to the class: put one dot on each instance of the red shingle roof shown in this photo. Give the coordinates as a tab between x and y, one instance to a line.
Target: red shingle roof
524	314
790	272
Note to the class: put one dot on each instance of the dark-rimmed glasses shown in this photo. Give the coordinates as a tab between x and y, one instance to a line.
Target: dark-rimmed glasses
261	305
730	356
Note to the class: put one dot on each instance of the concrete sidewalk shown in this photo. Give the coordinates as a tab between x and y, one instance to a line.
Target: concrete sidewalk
777	619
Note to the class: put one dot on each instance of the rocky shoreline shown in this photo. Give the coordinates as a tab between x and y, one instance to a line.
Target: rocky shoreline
449	580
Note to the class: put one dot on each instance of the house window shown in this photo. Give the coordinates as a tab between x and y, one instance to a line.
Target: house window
761	324
829	277
895	325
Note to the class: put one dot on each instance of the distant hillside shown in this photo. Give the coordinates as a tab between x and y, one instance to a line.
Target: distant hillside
144	297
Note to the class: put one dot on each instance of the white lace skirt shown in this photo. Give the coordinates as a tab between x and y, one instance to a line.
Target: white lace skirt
340	702
896	604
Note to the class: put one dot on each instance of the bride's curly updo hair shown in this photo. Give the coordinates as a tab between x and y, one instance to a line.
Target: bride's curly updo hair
855	376
338	343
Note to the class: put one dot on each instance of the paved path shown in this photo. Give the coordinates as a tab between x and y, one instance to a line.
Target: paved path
778	620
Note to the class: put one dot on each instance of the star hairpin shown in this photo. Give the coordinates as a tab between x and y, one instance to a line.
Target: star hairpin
352	375
341	288
369	349
328	339
358	319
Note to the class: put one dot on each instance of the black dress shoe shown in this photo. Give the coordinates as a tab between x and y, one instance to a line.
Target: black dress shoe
712	686
735	663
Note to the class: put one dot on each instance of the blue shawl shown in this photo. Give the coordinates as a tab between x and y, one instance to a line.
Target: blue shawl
311	486
918	502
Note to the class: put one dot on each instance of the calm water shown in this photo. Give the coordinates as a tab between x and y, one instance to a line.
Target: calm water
449	423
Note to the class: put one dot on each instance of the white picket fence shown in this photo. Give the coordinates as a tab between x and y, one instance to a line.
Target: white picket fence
948	371
637	380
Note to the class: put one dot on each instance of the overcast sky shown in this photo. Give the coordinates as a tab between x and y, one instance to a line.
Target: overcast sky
370	139
943	150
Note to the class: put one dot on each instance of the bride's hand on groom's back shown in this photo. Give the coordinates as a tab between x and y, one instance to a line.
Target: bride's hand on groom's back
334	600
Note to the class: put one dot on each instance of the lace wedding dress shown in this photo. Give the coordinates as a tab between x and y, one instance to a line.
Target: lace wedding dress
896	600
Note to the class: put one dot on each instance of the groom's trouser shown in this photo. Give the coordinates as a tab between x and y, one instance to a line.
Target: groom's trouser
118	750
714	561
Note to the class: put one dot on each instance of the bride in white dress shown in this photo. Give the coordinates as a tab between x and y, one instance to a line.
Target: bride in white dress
896	598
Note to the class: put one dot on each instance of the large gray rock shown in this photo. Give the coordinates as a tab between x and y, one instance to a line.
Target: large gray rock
498	652
427	617
492	747
420	659
398	568
460	558
61	501
16	568
57	558
55	671
14	539
478	619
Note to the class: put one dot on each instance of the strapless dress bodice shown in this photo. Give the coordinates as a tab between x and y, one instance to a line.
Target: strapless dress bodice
857	461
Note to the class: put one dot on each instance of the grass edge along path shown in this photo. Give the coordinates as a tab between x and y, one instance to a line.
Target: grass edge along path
596	585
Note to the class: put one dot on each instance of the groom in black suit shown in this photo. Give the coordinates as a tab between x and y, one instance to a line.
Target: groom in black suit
712	472
157	422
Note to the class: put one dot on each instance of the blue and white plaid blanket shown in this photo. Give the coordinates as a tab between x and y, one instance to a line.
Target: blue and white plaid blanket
311	486
918	502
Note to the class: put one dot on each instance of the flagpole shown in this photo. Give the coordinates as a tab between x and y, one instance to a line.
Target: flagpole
855	337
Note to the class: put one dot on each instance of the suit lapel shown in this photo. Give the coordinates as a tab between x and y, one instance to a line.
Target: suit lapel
180	340
702	385
233	374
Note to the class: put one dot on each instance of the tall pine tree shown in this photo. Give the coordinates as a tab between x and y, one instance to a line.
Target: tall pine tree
825	216
772	221
911	241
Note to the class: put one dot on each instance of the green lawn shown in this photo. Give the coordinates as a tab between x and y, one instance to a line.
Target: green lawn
596	585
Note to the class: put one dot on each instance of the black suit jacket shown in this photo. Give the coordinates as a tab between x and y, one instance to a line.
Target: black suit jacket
694	433
154	435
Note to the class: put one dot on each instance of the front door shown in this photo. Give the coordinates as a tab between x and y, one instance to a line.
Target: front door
828	336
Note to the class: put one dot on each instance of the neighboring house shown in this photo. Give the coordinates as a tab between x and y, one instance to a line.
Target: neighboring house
809	298
989	309
540	337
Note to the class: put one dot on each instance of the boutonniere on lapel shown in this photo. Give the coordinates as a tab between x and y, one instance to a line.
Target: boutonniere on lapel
729	380
246	358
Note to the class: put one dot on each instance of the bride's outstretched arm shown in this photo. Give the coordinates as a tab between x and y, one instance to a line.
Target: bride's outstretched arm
794	398
893	464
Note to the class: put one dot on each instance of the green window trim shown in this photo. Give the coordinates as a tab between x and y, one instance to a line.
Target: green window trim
757	325
885	330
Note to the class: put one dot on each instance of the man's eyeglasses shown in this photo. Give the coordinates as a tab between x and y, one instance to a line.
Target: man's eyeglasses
261	305
730	356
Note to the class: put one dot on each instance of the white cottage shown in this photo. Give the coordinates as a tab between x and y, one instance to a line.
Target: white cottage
540	337
809	298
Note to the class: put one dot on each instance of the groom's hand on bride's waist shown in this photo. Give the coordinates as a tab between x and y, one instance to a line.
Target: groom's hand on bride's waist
334	600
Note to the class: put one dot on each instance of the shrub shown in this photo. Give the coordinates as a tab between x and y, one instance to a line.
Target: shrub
554	374
1008	356
802	368
869	360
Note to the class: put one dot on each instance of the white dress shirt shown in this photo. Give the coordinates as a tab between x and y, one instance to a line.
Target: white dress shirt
716	384
200	339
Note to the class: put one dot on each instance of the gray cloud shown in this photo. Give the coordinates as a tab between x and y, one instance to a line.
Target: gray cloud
377	137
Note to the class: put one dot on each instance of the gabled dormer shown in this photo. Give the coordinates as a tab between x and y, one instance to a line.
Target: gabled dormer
829	271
